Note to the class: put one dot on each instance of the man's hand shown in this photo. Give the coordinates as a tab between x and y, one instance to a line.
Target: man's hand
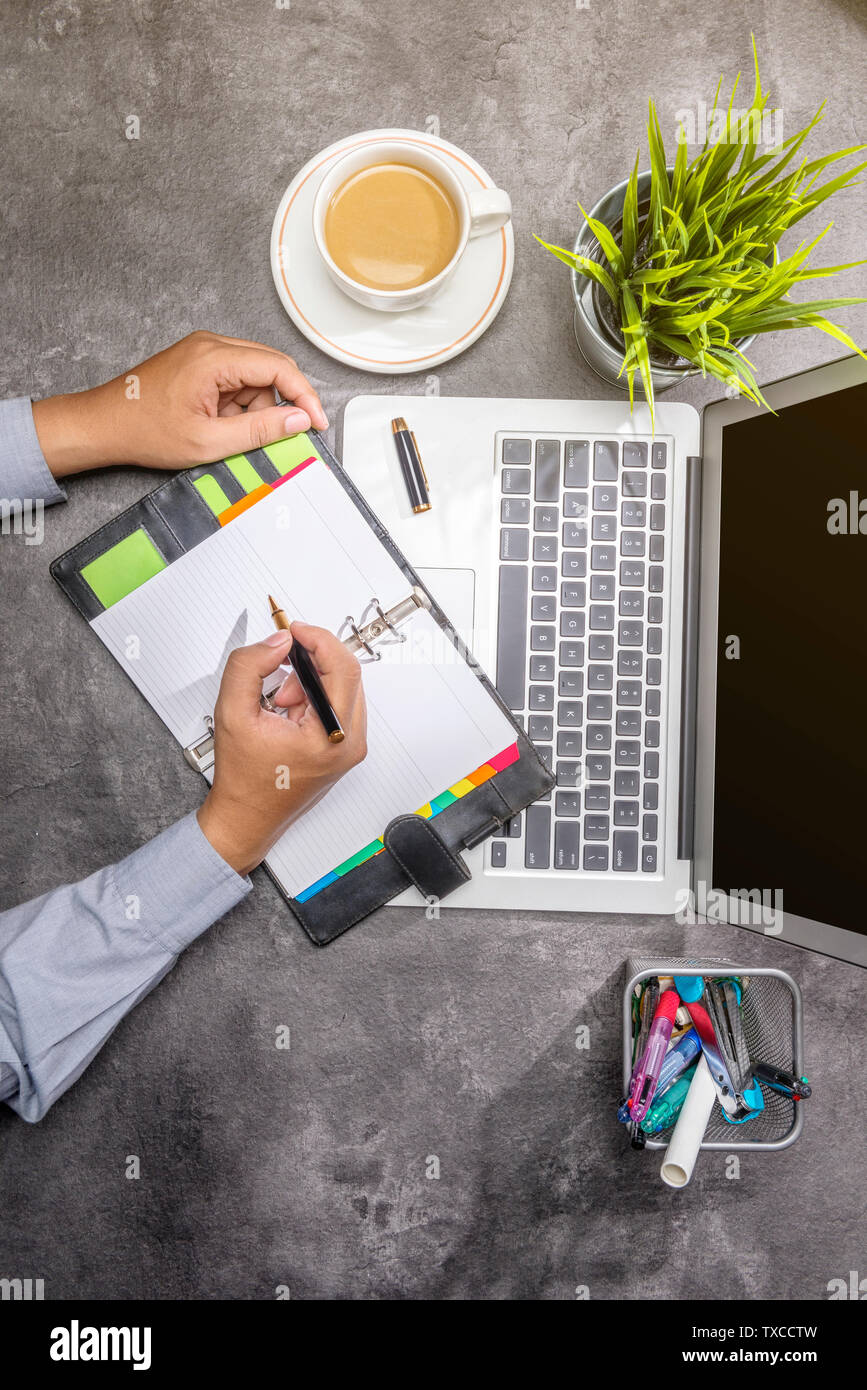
205	398
268	770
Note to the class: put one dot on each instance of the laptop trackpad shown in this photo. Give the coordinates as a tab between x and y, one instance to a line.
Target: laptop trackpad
455	592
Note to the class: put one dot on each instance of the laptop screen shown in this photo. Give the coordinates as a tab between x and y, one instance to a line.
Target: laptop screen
790	800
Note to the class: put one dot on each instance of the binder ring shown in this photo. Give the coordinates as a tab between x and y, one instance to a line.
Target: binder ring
362	642
386	620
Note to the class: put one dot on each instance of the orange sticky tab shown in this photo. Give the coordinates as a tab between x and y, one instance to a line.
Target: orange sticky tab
238	507
482	774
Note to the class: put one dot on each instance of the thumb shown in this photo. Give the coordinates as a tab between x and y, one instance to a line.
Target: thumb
253	429
245	671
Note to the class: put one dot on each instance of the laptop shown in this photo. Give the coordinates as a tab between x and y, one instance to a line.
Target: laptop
674	614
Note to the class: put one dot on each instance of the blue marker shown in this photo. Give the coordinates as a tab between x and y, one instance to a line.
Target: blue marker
678	1058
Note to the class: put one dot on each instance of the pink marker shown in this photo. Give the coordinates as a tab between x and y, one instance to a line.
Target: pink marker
646	1078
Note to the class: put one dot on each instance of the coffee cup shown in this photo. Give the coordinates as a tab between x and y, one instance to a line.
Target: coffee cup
398	198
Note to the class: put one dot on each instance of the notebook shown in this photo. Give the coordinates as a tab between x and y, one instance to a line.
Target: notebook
170	601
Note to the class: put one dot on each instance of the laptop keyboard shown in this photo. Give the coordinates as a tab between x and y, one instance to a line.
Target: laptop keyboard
581	646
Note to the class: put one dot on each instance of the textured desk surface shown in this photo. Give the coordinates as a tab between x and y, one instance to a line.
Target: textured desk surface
409	1038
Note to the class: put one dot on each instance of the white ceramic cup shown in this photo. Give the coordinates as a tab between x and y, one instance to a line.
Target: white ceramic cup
480	212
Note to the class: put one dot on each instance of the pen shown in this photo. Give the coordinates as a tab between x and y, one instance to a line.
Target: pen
645	1081
411	465
783	1081
665	1109
308	678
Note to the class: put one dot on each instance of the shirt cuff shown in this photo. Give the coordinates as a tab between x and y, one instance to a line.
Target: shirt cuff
24	474
177	885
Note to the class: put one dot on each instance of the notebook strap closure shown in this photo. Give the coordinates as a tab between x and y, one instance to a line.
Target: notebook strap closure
424	856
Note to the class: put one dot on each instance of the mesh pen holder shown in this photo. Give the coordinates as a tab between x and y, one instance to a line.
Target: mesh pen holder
772	1014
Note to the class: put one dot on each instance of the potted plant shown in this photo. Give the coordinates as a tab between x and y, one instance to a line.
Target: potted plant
676	269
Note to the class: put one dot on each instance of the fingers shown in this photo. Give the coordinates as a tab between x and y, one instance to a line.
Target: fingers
251	364
246	668
230	434
339	669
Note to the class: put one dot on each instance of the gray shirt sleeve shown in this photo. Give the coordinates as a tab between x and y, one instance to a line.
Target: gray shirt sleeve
24	474
74	961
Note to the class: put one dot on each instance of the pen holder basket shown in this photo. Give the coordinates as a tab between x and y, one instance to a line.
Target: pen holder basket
772	1014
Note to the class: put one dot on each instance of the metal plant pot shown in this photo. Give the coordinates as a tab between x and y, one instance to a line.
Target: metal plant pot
598	338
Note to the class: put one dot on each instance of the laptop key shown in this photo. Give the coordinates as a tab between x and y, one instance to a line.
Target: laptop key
658	455
515	480
627	753
544	549
545	518
631	605
654	670
597	767
651	796
575	504
498	854
569	743
547	470
576	467
537	840
566	834
546	753
543	639
596	858
570	714
651	733
634	454
596	827
567	804
572	565
657	516
574	535
654	641
544	577
657	548
602	586
601	648
632	573
625	783
655	579
515	510
514	827
605	499
651	765
652	703
540	728
654	610
598	706
541	697
630	663
628	723
625	851
600	678
512	635
602	617
514	544
605	461
573	595
571	684
630	633
648	859
568	774
649	827
626	813
634	484
517	451
632	543
604	528
597	798
603	557
571	653
543	609
572	624
629	692
598	737
657	487
633	514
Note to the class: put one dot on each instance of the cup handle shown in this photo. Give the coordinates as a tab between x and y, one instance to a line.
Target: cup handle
490	209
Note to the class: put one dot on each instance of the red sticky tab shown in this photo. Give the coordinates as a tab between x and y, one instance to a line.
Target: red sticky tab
504	759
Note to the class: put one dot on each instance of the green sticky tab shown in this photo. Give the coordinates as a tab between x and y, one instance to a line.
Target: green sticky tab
443	800
212	493
367	853
286	454
125	567
244	471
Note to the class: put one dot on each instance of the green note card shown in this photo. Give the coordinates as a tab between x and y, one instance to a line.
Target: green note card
212	493
286	454
128	564
244	471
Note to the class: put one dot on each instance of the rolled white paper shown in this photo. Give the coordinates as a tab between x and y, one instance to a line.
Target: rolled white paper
692	1122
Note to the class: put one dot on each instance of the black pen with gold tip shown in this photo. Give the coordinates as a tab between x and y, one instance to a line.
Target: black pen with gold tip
411	465
308	678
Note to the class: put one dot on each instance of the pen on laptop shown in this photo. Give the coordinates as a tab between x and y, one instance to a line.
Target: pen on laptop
308	678
411	465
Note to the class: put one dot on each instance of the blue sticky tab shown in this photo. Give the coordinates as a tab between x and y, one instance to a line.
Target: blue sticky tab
316	887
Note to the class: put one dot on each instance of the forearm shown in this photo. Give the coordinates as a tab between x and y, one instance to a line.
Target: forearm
75	961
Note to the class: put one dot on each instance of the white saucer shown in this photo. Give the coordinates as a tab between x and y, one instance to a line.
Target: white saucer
415	341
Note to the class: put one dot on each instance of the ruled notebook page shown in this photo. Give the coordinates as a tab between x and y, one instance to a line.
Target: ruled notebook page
430	720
